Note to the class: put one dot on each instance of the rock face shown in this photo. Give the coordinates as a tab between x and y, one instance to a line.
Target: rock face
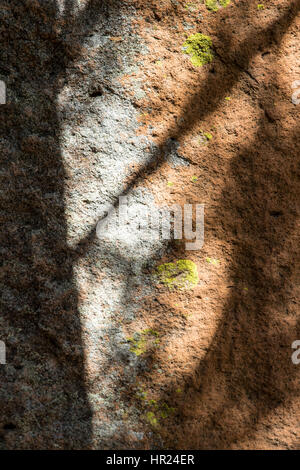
102	102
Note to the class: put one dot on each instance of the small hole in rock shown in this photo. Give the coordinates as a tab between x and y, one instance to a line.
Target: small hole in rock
9	426
95	91
275	213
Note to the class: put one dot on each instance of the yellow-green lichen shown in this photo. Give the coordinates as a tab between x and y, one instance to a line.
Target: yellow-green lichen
142	339
166	410
260	6
181	275
153	403
190	6
204	137
199	48
208	135
214	5
158	411
150	417
213	261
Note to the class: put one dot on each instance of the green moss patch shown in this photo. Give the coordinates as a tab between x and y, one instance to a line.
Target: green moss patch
181	275
199	48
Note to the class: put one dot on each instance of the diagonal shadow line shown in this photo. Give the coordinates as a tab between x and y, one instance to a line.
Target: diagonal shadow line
193	113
